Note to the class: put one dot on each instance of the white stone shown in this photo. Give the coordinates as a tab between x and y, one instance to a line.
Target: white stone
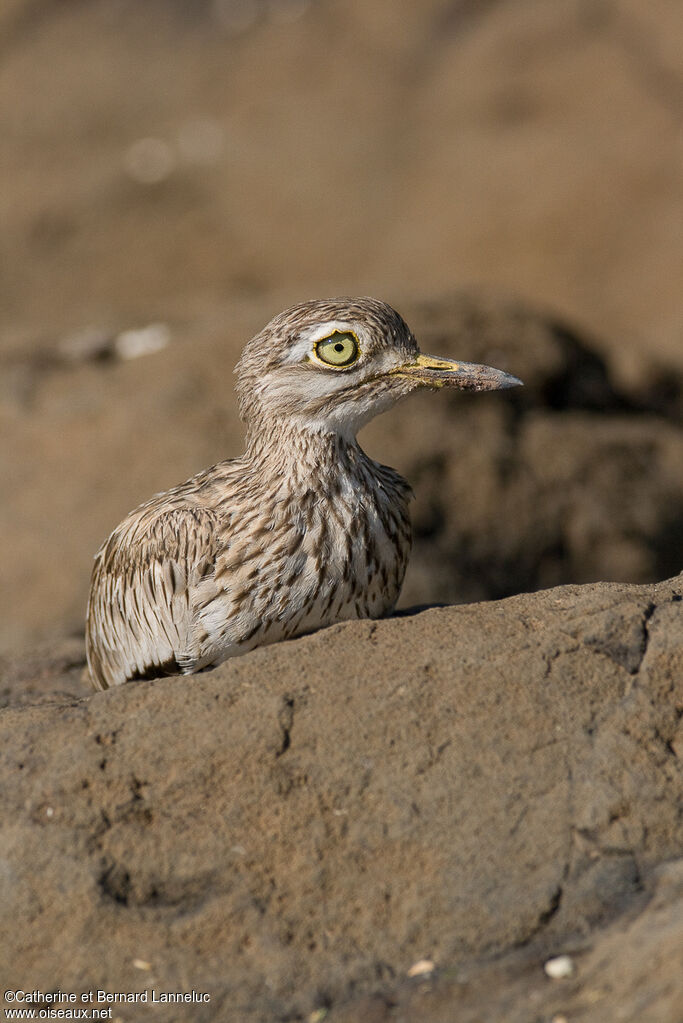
559	967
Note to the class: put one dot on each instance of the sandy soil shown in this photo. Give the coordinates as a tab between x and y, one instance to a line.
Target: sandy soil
484	787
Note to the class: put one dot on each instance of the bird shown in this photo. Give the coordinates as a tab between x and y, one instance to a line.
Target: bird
301	531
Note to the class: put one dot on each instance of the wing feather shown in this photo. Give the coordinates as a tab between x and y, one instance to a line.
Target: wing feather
140	614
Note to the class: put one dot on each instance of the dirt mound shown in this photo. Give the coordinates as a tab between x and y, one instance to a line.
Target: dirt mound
482	786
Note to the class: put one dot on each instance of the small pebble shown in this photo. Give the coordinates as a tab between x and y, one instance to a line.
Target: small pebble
559	967
422	968
131	344
142	964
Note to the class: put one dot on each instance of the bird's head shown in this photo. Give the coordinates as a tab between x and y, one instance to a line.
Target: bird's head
332	365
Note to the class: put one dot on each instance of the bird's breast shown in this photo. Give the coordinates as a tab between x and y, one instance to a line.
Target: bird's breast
320	558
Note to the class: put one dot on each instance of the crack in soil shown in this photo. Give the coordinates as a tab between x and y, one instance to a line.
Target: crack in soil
286	722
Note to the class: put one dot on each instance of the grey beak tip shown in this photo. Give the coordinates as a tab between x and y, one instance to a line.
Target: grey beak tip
511	381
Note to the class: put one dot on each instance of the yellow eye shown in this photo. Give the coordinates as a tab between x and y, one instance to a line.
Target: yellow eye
338	350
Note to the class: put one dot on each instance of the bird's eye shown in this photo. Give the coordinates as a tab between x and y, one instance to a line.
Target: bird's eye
338	350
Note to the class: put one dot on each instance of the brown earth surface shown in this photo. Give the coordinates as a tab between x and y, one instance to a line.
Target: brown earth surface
483	785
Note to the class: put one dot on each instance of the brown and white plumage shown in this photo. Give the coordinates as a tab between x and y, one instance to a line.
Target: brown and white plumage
301	531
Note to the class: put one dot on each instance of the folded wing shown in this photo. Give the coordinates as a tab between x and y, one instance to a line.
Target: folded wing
141	622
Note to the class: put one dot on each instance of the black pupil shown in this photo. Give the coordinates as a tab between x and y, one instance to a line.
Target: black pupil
339	347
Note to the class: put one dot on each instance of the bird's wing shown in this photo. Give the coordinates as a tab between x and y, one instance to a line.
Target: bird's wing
140	613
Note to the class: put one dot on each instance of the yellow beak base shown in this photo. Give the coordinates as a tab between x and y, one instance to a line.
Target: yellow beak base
465	376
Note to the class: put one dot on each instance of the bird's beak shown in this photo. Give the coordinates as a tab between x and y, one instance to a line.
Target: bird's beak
466	376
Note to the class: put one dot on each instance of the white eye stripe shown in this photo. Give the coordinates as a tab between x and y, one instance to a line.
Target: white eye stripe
323	330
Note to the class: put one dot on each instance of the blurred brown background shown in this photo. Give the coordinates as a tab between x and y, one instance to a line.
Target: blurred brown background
508	173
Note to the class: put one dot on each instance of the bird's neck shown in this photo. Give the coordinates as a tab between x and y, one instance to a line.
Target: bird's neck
301	453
